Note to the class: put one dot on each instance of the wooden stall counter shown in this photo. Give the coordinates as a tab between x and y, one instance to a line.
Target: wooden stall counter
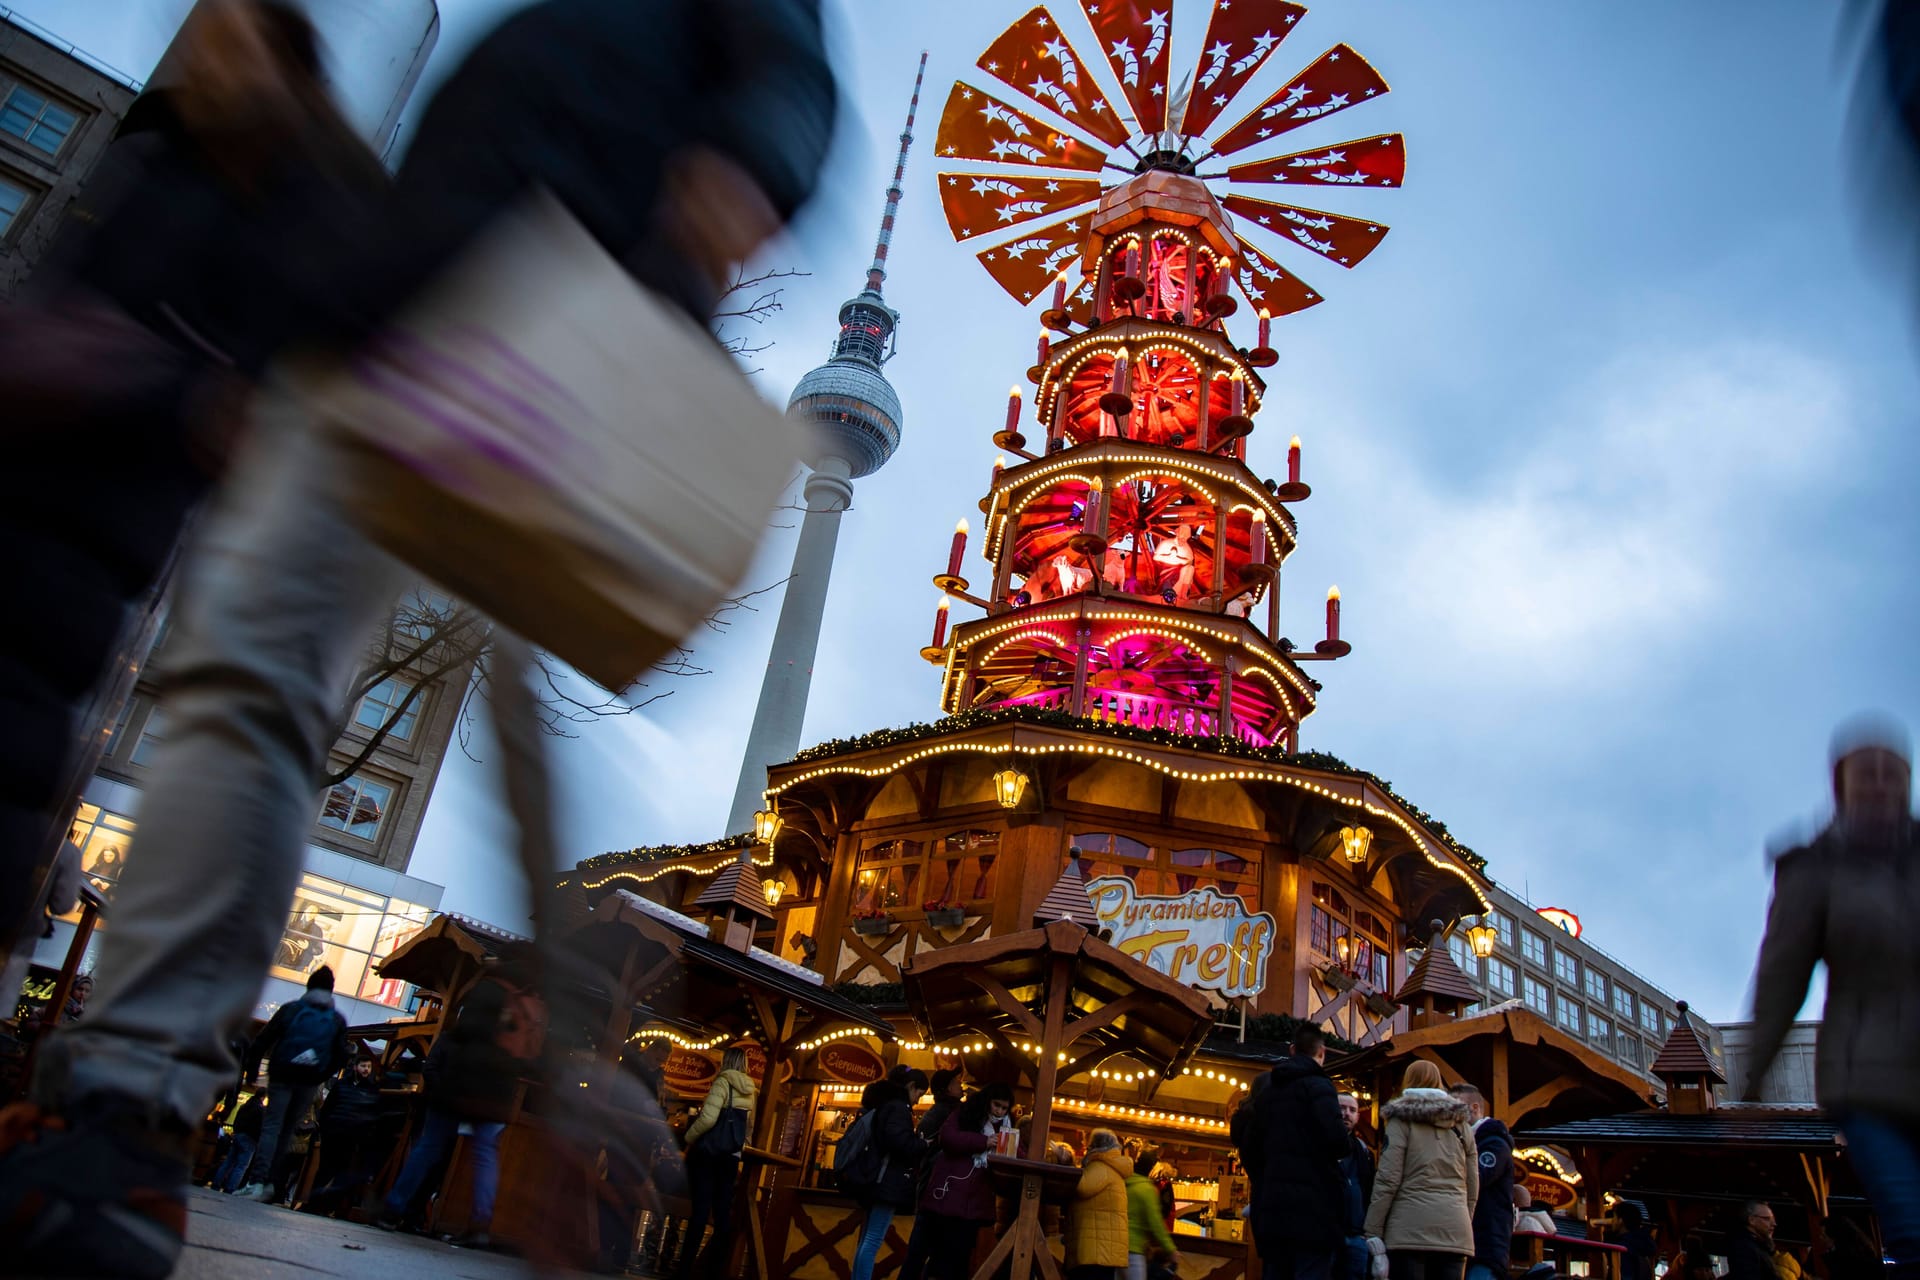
813	1232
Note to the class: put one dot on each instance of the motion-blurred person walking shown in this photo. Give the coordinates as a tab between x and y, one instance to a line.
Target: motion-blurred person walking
679	135
1849	897
302	1044
191	255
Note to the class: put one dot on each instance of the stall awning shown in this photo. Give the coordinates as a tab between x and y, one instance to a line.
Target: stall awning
432	958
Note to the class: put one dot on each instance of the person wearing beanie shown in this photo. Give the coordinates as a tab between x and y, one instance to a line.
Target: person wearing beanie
304	1043
1097	1235
1848	898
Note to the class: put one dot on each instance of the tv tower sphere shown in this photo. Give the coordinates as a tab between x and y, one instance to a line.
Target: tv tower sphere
853	408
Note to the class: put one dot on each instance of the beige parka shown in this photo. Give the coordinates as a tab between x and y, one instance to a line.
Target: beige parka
1428	1179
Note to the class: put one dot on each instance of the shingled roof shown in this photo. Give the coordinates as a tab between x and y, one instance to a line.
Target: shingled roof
737	883
1067	900
1437	975
1685	1054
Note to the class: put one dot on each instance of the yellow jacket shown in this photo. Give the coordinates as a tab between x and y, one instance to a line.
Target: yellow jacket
1097	1219
732	1089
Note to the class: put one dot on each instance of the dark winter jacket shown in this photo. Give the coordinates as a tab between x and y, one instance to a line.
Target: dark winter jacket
1295	1142
900	1148
467	1074
271	1034
352	1104
246	1121
958	1188
591	99
1493	1211
1852	905
1749	1257
930	1123
1357	1170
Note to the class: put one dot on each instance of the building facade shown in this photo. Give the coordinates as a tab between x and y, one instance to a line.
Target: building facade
1542	961
1791	1078
58	111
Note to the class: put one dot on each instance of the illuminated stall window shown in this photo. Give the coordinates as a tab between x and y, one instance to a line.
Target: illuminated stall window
889	875
103	837
963	867
350	929
1332	917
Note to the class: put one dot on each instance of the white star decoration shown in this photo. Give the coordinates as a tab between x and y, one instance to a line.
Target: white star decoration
1053	186
1333	57
966	95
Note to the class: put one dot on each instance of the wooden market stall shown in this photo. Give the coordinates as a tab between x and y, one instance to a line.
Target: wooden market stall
1057	1003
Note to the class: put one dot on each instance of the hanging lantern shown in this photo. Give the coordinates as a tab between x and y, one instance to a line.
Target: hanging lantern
766	825
1481	937
774	891
1343	949
1009	787
1355	842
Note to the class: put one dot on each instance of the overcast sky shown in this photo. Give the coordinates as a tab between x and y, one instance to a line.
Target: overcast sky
1611	445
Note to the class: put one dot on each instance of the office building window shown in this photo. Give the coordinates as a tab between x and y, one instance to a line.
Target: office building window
1533	947
1565	967
1600	1030
1596	986
380	704
1500	978
37	122
13	198
1650	1019
1569	1015
357	806
1463	955
152	734
1537	998
1503	928
1623	1002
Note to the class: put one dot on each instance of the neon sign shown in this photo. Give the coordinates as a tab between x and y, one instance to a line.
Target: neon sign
1205	938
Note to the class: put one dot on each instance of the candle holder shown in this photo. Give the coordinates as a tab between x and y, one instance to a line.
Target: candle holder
1129	288
1220	306
1035	372
936	654
1011	441
1088	543
1333	648
1293	491
1057	319
1262	357
951	583
1232	427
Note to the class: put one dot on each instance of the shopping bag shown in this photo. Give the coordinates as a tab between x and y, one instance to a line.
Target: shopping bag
548	439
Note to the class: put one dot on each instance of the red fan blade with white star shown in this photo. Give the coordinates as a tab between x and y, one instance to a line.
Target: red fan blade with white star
1340	79
1033	57
1240	37
1333	236
978	126
1134	36
1029	263
1379	161
1269	286
976	203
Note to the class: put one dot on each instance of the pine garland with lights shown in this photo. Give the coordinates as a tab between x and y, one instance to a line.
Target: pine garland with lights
1048	717
667	852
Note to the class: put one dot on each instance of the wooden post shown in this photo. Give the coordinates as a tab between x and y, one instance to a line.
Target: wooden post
1502	1088
1082	647
1226	697
1047	1069
1206	406
1220	557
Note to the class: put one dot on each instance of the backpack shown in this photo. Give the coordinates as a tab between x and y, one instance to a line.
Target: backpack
305	1048
856	1165
522	1032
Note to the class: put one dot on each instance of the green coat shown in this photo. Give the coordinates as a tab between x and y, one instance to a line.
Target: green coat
1145	1226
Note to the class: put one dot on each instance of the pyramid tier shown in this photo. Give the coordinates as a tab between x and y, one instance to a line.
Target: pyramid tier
1180	382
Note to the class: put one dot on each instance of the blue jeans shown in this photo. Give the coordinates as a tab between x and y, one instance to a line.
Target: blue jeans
1299	1264
873	1234
232	1173
1886	1154
435	1141
1480	1271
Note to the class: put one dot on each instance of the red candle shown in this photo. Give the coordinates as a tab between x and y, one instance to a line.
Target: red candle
1266	325
999	465
940	622
1060	292
1045	346
1090	520
1257	539
1333	614
1013	406
958	549
1133	258
1293	461
1239	394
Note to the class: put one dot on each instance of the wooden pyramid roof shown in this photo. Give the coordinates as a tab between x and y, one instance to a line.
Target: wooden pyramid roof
737	884
1437	975
1685	1054
1067	900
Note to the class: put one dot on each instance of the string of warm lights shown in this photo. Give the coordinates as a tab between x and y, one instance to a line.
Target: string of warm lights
1208	1073
1418	839
678	1040
1208	346
656	873
1547	1156
663	852
1143	1115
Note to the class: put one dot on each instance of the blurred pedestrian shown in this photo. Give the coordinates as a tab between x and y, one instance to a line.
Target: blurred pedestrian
714	1141
959	1198
887	1181
680	134
1847	898
302	1044
473	1086
1493	1205
1527	1216
1097	1219
1148	1238
1424	1191
78	994
231	1174
1293	1144
189	256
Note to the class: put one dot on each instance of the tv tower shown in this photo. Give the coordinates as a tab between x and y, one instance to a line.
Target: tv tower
855	414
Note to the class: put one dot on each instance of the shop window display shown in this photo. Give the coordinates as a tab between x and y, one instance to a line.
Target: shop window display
349	929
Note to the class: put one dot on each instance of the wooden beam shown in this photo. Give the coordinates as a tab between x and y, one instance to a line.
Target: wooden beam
1501	1084
1542	1096
1021	1015
1447	1073
1108	1013
1059	978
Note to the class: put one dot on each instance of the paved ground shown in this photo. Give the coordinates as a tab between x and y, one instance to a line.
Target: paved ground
229	1239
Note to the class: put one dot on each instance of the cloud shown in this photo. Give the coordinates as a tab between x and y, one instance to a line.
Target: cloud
1629	507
